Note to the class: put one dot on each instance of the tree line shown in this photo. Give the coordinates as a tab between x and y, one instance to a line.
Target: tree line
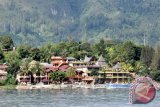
143	60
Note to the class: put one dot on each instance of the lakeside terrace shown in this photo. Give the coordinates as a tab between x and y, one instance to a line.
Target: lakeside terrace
83	69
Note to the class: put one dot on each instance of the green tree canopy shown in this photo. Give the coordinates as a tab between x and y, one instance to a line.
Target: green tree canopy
36	68
25	66
147	55
47	52
36	54
24	51
123	52
100	48
13	61
71	72
6	42
58	76
156	58
1	54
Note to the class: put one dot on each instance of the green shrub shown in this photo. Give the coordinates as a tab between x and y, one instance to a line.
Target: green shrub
10	80
2	82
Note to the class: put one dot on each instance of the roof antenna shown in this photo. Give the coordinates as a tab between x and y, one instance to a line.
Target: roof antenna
144	39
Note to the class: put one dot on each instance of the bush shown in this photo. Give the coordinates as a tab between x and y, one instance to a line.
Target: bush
10	80
155	75
2	82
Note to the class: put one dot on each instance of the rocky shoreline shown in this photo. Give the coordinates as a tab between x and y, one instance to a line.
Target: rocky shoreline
69	86
58	86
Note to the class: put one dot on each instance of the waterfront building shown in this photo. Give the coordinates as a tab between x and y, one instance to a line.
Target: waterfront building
84	71
115	75
57	64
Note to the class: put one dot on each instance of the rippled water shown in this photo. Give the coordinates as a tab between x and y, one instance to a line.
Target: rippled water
69	98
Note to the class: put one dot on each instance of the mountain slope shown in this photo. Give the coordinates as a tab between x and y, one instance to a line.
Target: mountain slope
39	21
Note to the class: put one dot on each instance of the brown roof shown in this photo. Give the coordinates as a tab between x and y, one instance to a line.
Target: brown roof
63	67
51	69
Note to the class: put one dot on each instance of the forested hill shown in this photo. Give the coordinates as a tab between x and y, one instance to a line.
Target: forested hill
39	21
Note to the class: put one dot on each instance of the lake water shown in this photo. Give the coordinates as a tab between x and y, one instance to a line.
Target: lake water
70	98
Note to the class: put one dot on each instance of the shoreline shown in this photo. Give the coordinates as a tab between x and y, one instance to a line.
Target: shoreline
65	86
62	86
8	87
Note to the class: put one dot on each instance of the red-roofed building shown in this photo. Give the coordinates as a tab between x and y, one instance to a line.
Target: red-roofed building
57	61
57	64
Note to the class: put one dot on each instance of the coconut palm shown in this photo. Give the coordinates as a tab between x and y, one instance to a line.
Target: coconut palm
24	67
36	68
29	68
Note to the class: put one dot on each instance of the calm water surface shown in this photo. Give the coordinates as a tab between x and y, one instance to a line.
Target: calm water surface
69	98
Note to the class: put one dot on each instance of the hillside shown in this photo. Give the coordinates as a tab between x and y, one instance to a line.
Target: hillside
40	21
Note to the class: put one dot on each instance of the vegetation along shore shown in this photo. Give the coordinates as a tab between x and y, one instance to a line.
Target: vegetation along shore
73	62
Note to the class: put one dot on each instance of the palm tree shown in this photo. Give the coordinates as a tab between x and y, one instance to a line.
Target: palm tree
71	73
29	68
24	68
36	68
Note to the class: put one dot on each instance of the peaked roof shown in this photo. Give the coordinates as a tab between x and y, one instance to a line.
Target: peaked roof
87	59
117	66
101	61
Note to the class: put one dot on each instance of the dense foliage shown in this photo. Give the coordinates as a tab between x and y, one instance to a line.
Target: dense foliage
58	76
143	60
38	21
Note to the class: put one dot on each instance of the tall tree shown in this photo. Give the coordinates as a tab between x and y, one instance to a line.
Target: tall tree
13	61
24	51
123	52
36	54
6	42
25	66
156	58
100	48
36	68
47	51
71	72
146	55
